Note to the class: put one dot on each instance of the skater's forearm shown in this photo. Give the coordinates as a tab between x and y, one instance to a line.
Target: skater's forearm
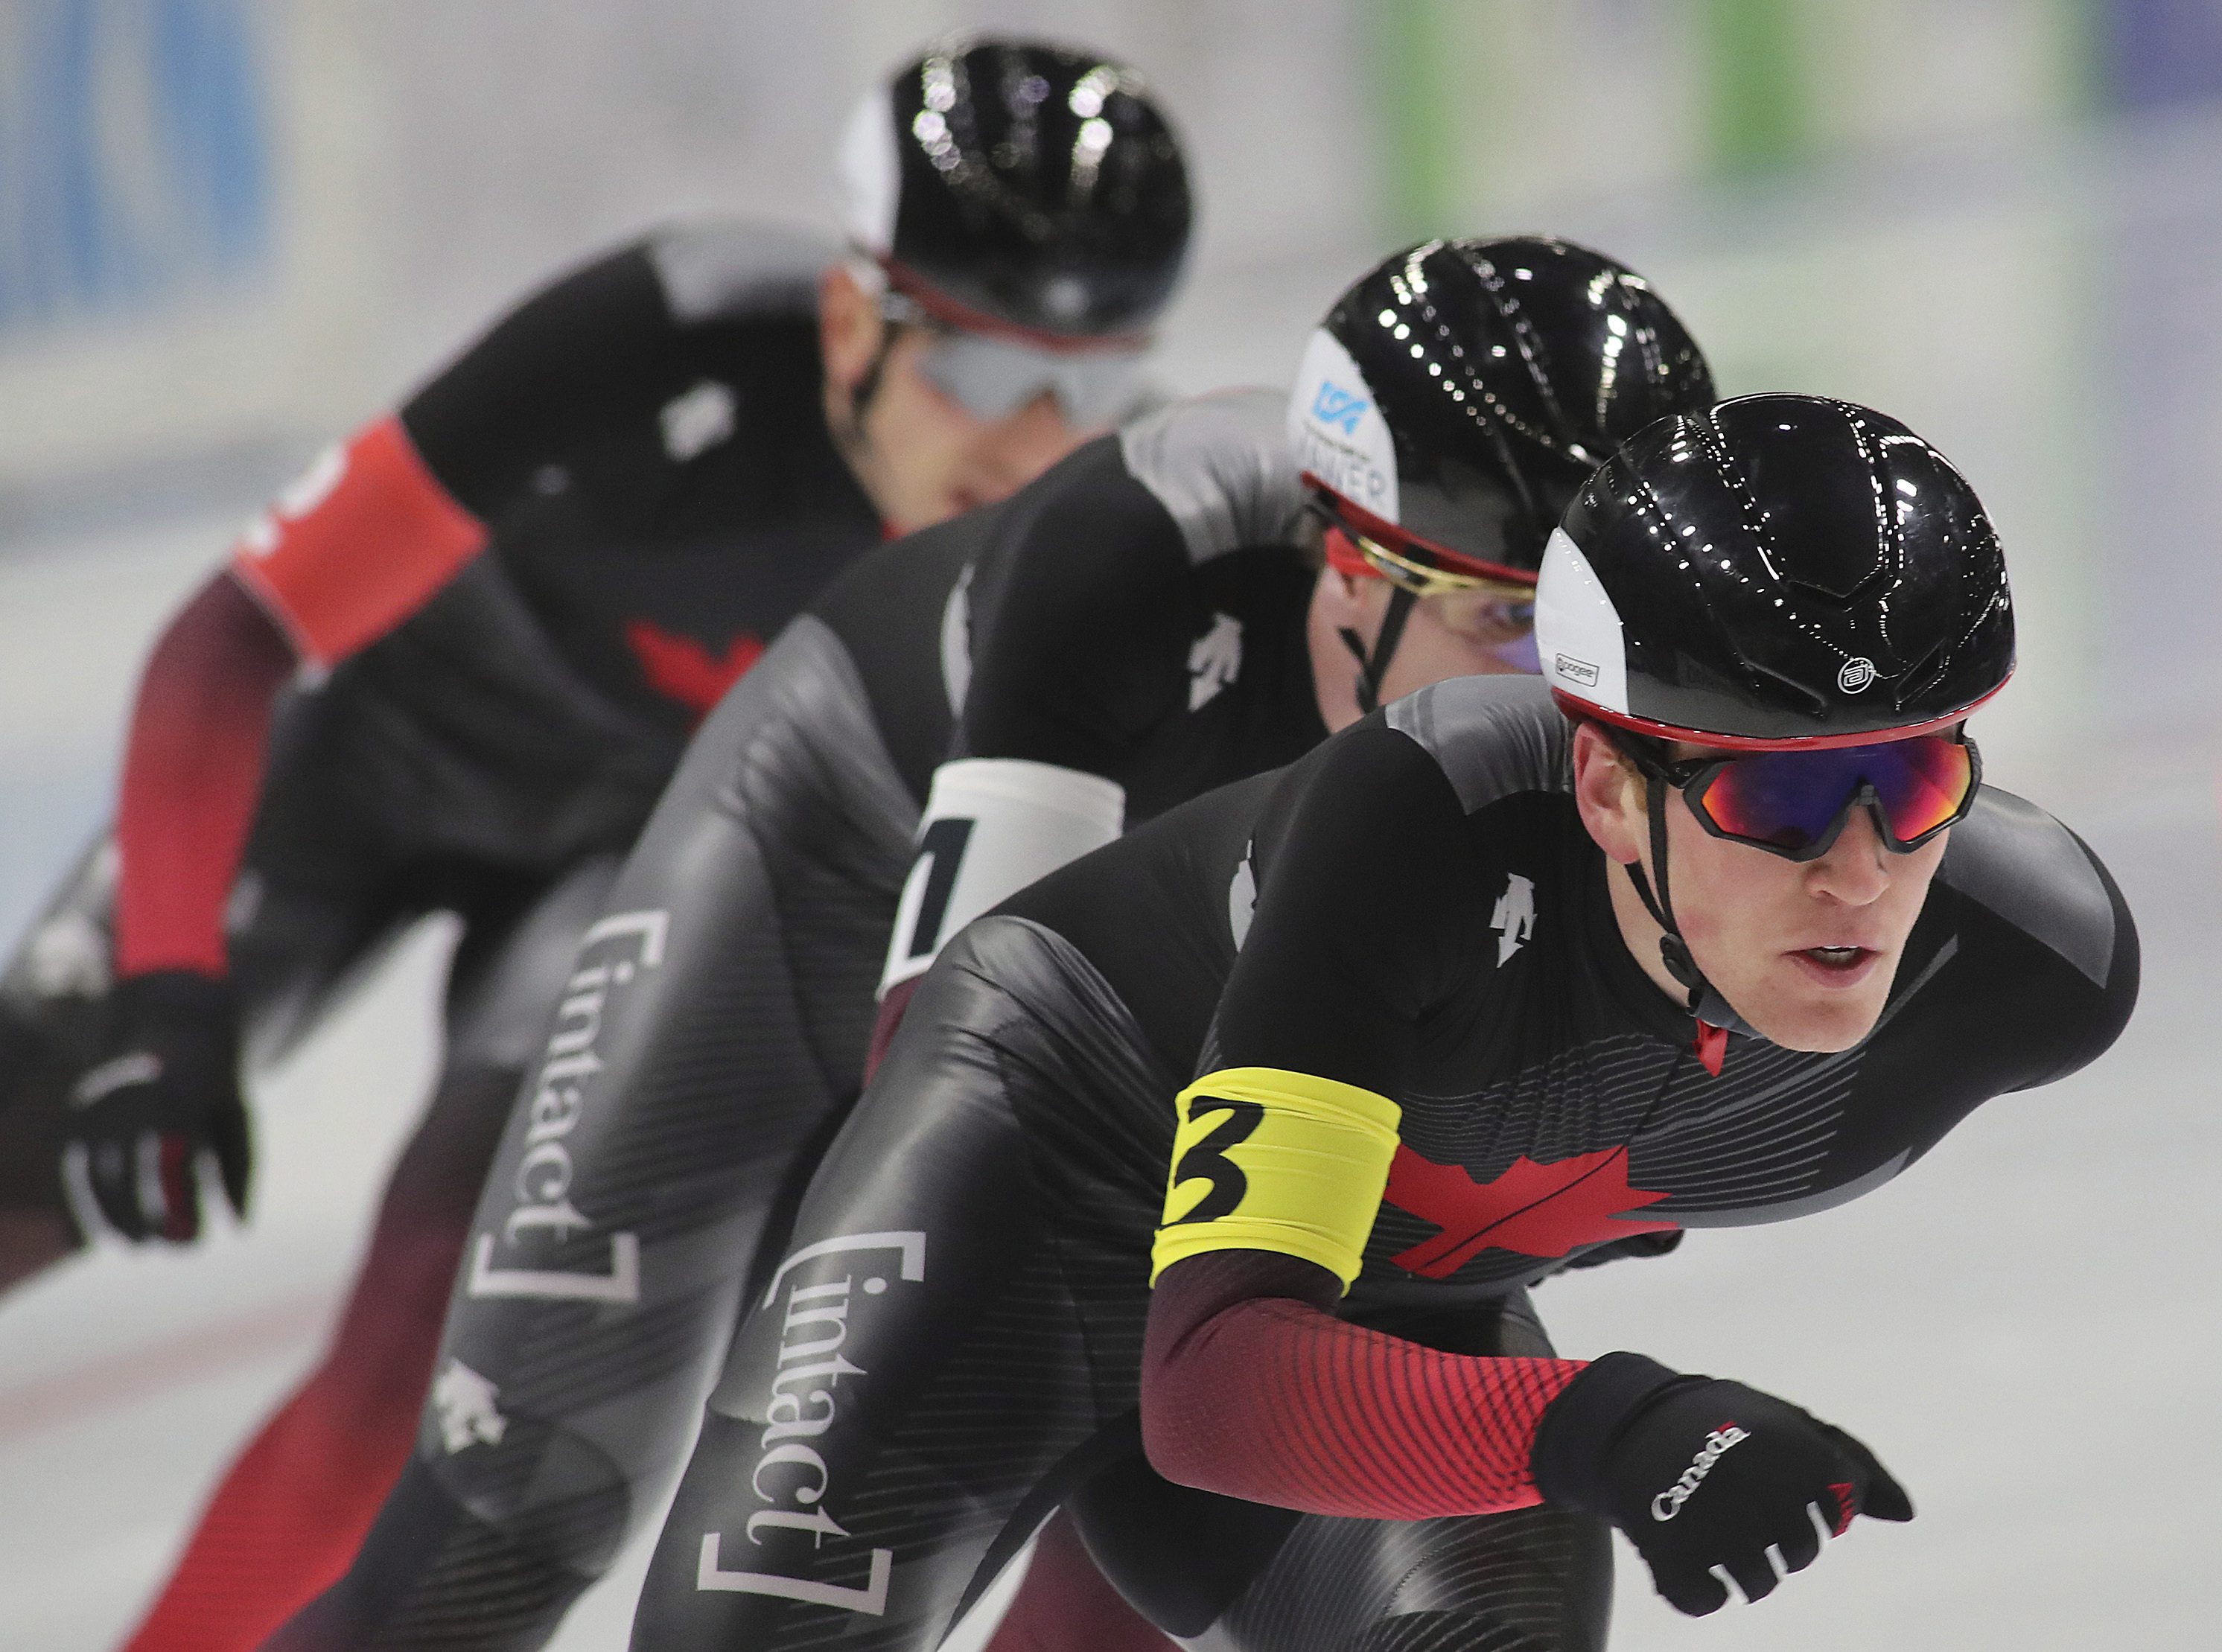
1252	1388
192	773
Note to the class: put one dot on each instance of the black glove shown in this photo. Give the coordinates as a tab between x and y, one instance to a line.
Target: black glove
1701	1474
163	1089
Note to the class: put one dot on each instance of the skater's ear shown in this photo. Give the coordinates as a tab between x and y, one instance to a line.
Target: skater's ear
850	326
1609	794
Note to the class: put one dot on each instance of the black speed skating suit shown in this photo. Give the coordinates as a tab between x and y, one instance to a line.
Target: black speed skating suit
954	1339
1133	621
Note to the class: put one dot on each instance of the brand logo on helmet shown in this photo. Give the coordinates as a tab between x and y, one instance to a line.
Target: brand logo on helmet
1338	406
1856	674
1575	671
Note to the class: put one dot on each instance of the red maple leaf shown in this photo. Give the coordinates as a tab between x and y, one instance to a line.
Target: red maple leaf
681	669
1538	1209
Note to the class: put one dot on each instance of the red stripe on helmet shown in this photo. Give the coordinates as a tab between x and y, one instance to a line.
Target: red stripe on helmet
1385	532
1574	706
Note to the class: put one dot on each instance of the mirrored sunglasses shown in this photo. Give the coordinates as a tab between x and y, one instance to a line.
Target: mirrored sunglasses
1794	803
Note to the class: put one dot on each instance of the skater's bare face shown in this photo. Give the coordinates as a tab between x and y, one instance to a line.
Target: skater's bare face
920	456
1459	633
1805	951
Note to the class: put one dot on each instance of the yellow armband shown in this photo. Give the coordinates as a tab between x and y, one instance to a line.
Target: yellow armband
1268	1160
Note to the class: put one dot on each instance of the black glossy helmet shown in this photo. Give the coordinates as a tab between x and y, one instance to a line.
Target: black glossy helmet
1016	188
1777	572
1455	399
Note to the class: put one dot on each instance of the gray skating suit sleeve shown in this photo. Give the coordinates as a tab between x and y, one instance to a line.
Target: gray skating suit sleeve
1220	467
712	1026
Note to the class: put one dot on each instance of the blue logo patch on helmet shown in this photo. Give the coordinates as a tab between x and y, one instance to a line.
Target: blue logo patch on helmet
1335	405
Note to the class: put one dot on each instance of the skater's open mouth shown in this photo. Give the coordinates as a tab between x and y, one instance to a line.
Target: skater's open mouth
1837	965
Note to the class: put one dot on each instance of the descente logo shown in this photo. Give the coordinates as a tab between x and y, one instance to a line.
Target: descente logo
1668	1503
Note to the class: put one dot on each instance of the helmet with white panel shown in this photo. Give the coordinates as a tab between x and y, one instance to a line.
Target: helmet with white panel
1028	203
1456	397
1777	572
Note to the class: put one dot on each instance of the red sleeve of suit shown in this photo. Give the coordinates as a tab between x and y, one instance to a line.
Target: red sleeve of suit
1252	1388
362	542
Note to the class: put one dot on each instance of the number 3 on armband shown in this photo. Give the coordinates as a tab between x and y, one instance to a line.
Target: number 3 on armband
1206	1159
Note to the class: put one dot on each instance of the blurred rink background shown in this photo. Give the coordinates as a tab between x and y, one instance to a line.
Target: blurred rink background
232	229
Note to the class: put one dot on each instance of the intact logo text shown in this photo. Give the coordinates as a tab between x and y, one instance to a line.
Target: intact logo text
819	1288
544	1219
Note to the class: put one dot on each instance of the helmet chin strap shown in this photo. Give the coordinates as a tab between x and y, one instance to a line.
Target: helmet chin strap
1372	669
1674	951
